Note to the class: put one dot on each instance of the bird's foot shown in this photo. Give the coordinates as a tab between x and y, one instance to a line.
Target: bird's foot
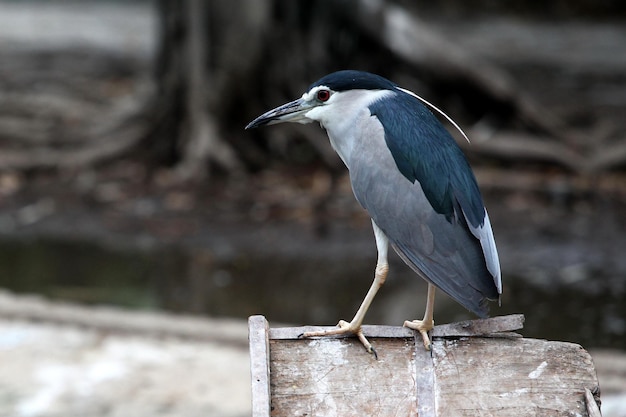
423	327
343	327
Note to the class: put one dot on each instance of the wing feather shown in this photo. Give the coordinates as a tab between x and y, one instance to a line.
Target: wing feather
425	199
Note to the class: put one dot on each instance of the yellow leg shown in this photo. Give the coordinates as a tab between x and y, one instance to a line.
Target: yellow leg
354	326
427	324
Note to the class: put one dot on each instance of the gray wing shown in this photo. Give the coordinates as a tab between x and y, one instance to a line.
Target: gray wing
447	254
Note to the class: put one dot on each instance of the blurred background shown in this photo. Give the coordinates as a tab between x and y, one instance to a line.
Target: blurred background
126	178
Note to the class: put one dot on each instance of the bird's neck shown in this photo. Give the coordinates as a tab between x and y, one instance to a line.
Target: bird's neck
350	127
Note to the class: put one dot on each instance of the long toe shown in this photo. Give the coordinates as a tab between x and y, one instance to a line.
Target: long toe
423	328
343	327
368	346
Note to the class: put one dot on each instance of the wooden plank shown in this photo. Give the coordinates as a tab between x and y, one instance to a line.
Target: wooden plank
259	365
592	406
511	377
473	371
482	327
368	330
424	379
337	377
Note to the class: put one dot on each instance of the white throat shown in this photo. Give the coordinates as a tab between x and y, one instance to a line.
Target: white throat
342	116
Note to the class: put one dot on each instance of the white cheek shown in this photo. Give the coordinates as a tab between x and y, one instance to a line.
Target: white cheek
317	114
304	120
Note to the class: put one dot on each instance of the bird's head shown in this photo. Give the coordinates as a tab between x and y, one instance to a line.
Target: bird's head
336	97
330	97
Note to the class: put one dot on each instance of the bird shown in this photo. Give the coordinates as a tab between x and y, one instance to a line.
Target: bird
410	175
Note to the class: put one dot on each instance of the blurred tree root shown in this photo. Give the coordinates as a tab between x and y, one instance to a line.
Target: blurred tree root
278	53
216	69
71	111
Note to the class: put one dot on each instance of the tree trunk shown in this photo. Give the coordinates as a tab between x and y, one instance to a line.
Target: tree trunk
221	63
218	69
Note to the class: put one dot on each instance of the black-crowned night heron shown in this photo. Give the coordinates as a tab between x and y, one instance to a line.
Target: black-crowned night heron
412	178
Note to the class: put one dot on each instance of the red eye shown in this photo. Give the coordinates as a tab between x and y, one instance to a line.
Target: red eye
323	95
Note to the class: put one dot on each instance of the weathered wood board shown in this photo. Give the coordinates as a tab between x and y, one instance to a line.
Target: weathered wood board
522	377
499	374
307	380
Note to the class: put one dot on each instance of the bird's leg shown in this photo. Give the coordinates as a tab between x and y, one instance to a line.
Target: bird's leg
426	325
354	326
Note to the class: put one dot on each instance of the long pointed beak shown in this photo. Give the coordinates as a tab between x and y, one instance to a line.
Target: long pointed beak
294	111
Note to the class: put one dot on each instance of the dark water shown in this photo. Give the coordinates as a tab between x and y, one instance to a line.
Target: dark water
293	289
